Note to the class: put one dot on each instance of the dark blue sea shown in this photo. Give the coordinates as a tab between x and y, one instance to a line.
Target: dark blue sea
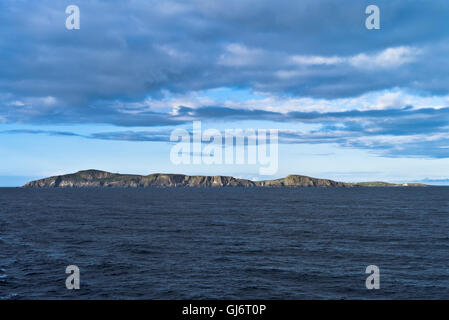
230	243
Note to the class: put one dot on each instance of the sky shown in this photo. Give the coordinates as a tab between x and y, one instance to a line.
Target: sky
350	104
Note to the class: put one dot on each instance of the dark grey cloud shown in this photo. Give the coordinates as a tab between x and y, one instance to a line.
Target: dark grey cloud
154	136
403	121
127	50
390	132
397	122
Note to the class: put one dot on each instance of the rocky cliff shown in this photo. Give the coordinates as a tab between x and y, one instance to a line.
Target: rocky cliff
96	178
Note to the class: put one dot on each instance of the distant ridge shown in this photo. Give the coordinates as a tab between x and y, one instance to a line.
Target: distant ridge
97	178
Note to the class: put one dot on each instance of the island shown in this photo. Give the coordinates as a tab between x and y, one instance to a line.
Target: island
97	178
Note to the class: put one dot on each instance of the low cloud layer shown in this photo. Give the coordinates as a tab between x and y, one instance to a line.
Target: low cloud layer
391	132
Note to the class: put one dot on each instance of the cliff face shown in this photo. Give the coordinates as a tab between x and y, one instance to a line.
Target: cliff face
302	181
96	178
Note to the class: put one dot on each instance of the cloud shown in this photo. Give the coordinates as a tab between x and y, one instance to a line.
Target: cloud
152	63
389	58
316	60
158	136
237	55
127	51
46	132
388	132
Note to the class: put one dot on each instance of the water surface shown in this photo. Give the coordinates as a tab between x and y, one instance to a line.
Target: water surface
233	243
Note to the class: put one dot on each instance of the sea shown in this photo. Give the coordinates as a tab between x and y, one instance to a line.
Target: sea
225	243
